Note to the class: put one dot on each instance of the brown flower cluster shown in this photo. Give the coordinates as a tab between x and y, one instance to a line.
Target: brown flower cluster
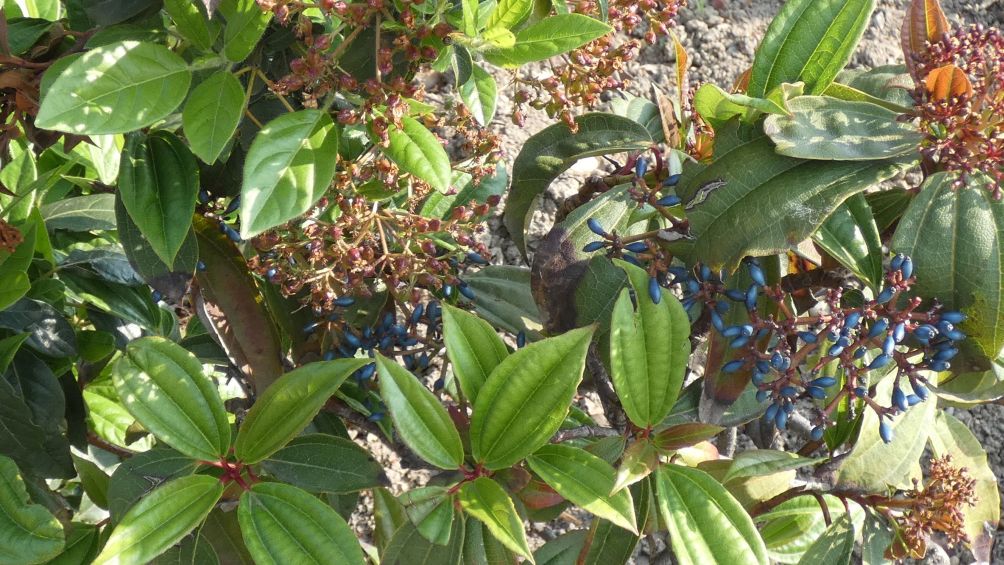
960	101
598	66
938	507
10	237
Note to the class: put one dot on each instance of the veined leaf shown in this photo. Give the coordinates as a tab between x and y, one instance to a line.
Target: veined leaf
515	398
158	185
509	13
325	463
505	301
474	349
551	36
190	21
649	350
286	407
246	23
809	41
409	547
211	115
29	532
835	546
956	239
706	524
851	237
553	150
416	150
289	166
821	127
115	88
485	500
163	387
431	509
161	519
283	524
143	472
586	480
763	462
479	94
419	416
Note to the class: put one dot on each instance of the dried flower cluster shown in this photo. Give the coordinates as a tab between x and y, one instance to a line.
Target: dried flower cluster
960	102
10	237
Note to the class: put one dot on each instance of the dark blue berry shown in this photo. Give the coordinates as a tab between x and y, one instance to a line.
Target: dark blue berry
671	180
732	331
824	382
671	200
816	392
835	350
640	167
889	345
637	247
899	399
595	227
899	331
756	273
771	412
739	341
880	361
329	355
817	433
789	391
807	337
593	246
878	327
781	419
310	327
200	266
919	389
885	431
953	317
654	290
852	319
733	366
750	298
156	295
476	258
897	262
735	294
907	268
521	339
716	321
885	295
467	291
761	395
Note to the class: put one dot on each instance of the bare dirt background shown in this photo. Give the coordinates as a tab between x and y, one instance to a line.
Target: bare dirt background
720	37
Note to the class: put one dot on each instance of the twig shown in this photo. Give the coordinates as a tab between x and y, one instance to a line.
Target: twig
109	447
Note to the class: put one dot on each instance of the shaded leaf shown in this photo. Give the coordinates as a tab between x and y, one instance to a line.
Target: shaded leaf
505	300
757	462
324	463
245	24
408	547
835	545
851	237
30	533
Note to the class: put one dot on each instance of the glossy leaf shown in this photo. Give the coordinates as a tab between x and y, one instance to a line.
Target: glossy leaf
562	550
638	462
950	437
211	114
409	547
508	13
585	480
479	94
956	237
808	41
820	127
504	299
30	534
163	386
115	88
756	462
325	463
706	524
473	347
286	407
553	150
419	416
551	36
431	509
161	519
783	216
649	350
414	149
851	237
515	398
245	24
716	106
287	169
608	544
835	546
81	213
158	185
13	286
190	21
143	472
485	500
873	465
283	524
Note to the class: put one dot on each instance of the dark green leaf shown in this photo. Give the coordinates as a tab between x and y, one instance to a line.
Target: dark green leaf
324	463
82	545
409	547
474	349
81	213
514	398
562	550
419	416
171	281
246	22
283	524
835	546
286	407
288	168
505	301
431	510
115	88
22	33
553	150
808	41
49	332
851	237
609	544
30	533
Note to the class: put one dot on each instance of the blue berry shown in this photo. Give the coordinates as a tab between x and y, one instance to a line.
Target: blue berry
860	392
351	339
953	317
739	341
761	395
860	352
735	295
899	399
919	389
756	273
233	206
878	327
366	372
789	391
671	180
671	200
913	400
816	392
637	247
757	378
762	366
595	227
885	431
750	298
940	366
817	433
732	331
467	291
807	337
654	290
880	361
593	246
329	355
885	295
852	319
521	339
200	266
907	268
835	350
447	290
925	332
476	258
946	354
203	196
309	328
771	412
344	301
781	419
156	296
955	335
733	366
824	382
716	321
271	273
899	332
897	262
640	167
889	345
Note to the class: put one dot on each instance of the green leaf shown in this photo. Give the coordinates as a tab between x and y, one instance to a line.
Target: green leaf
23	33
82	545
809	41
474	348
553	150
485	500
115	88
81	213
835	546
211	115
585	480
479	94
158	185
638	462
29	532
551	36
414	149
419	416
246	23
706	524
288	405
283	524
951	437
788	198
190	21
956	239
509	13
288	168
8	348
851	237
388	516
717	106
163	387
13	285
170	280
820	127
758	462
431	510
93	480
873	465
505	301
161	519
409	547
685	435
562	550
223	531
142	473
515	413
324	463
608	544
649	350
